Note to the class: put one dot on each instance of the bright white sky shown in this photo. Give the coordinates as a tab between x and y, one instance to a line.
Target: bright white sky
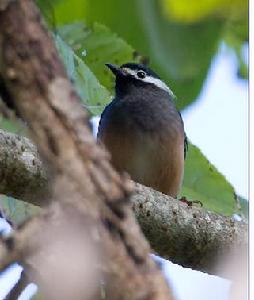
217	123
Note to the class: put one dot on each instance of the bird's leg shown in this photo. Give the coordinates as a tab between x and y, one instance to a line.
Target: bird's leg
190	202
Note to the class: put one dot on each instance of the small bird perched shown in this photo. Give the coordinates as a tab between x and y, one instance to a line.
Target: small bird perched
143	131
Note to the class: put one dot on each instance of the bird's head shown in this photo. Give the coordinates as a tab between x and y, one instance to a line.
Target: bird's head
131	76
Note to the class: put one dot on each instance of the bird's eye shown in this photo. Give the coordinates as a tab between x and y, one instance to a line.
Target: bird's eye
141	74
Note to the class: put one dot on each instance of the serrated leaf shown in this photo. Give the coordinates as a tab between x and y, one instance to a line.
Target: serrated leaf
203	182
97	45
92	93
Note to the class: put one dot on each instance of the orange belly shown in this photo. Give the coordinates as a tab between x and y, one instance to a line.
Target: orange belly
154	161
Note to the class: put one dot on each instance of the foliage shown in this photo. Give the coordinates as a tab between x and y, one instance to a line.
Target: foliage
94	45
181	60
203	182
92	93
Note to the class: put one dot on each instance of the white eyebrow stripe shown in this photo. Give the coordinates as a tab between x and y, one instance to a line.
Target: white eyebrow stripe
149	79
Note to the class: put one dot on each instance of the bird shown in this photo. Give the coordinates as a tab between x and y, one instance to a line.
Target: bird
142	129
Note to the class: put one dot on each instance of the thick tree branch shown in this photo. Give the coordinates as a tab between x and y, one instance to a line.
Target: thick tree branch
45	99
205	236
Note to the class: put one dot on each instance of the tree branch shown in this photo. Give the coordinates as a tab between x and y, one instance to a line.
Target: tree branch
81	172
189	236
205	236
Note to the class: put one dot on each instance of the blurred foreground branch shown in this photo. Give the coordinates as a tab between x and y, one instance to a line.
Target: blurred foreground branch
85	188
189	236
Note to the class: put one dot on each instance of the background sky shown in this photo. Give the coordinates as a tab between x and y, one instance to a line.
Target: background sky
217	123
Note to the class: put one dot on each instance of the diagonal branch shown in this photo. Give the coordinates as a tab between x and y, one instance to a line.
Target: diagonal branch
81	172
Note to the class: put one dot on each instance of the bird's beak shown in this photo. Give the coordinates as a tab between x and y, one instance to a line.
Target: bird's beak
115	69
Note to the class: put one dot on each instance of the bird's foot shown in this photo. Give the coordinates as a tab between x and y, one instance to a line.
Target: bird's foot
190	202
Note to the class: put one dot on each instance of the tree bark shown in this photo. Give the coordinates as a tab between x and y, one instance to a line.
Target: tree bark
189	236
22	174
205	236
81	173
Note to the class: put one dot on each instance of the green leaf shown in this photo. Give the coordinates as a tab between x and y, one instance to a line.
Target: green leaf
93	94
16	210
203	182
97	45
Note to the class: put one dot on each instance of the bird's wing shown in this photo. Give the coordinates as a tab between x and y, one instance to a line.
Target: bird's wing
186	143
102	119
